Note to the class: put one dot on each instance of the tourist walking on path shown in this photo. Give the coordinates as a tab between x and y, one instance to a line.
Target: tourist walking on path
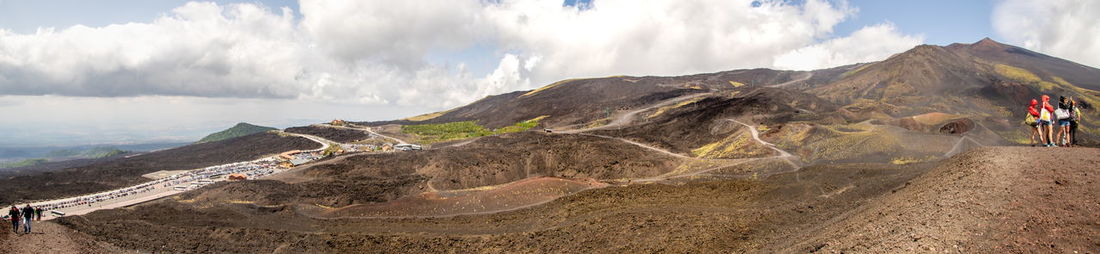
38	213
28	216
13	214
1045	118
1032	122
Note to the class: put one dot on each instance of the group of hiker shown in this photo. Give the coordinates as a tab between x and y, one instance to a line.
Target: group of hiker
1045	120
24	216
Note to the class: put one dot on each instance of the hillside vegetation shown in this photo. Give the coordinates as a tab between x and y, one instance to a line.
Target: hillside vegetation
95	152
239	130
432	133
23	163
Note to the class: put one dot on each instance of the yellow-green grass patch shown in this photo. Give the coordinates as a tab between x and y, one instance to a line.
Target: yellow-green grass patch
540	89
662	110
1016	73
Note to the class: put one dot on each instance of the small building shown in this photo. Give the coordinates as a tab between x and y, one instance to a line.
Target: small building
338	122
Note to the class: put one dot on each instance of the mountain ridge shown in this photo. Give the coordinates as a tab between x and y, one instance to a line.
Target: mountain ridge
239	130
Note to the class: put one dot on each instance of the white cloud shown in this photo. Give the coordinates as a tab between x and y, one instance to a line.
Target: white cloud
1067	29
682	37
871	43
395	32
374	52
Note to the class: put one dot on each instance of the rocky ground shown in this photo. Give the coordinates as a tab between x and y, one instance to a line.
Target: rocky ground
994	200
991	200
716	215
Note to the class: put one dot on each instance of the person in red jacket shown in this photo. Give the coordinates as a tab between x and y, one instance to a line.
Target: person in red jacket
1033	123
1046	117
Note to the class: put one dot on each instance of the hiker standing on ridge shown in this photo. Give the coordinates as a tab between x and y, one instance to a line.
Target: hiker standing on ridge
1074	121
13	214
1032	121
1063	116
28	216
1045	118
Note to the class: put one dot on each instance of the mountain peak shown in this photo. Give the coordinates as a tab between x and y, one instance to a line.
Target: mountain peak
988	43
241	129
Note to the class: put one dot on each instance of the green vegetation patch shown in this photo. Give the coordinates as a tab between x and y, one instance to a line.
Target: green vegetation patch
432	133
1016	73
95	152
23	163
239	130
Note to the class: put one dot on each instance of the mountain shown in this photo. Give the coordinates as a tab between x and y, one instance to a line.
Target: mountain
845	159
90	153
239	130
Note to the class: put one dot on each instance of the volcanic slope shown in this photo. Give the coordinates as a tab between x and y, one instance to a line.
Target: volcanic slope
578	102
127	171
986	83
991	200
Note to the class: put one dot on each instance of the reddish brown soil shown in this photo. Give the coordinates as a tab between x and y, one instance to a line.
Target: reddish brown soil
992	200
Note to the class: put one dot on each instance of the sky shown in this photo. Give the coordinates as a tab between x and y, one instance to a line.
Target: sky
131	71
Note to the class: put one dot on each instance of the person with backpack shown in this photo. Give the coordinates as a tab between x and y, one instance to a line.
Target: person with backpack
1032	121
1063	116
13	214
1075	112
38	213
28	216
1045	120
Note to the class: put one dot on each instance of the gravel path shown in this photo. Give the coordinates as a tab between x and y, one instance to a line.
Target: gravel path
48	237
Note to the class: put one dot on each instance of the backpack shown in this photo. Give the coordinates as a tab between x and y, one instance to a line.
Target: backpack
1030	120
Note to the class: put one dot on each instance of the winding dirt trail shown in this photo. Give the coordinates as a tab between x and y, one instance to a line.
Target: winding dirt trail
325	143
782	154
629	116
649	147
368	130
804	78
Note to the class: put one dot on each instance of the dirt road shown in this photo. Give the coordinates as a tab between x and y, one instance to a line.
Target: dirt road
625	118
48	237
